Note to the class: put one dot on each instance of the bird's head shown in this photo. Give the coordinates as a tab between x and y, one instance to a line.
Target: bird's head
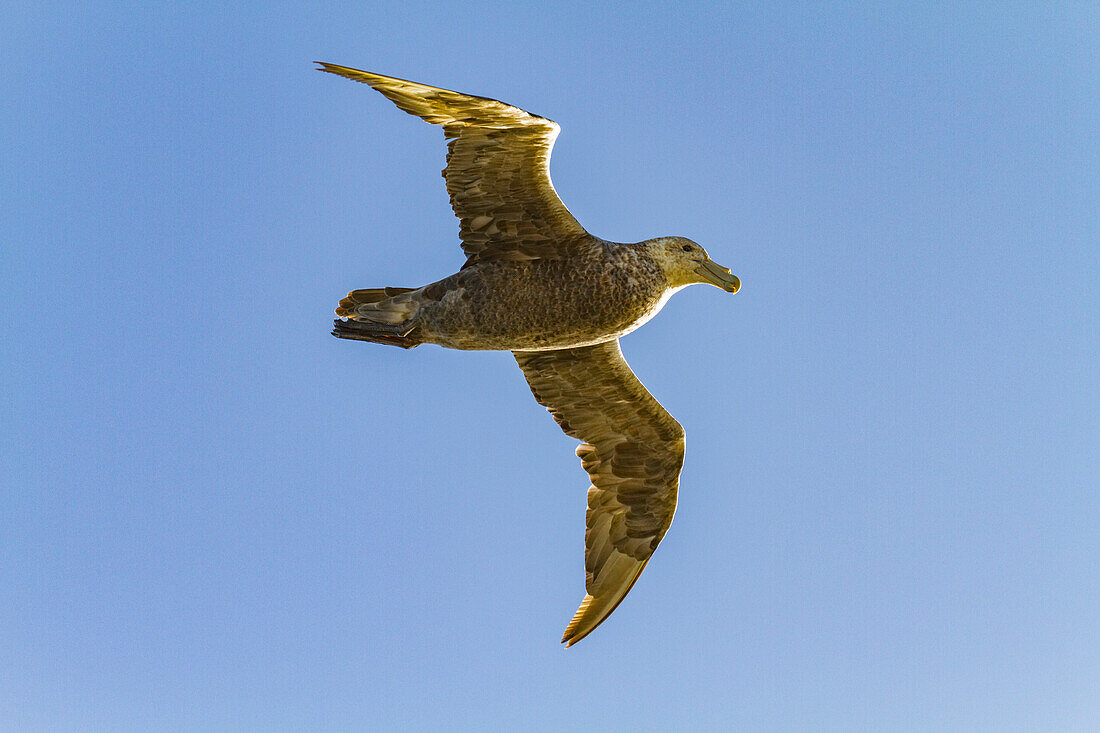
685	263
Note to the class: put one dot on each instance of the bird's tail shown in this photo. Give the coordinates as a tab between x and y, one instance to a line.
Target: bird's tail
379	315
374	299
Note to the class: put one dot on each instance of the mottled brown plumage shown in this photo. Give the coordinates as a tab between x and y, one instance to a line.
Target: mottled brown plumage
498	170
633	451
537	284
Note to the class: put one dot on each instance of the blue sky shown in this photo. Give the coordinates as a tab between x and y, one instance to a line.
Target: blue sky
219	517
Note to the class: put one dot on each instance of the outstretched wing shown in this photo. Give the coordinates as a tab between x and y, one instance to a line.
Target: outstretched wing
633	451
498	170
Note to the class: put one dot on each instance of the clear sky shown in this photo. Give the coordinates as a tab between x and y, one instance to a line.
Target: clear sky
218	517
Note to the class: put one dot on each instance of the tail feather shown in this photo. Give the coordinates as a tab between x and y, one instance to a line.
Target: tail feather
376	333
368	295
379	315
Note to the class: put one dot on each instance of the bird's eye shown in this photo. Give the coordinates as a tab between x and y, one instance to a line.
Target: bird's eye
686	248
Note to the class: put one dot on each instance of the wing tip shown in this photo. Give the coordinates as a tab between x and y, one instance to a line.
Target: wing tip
594	611
572	635
364	77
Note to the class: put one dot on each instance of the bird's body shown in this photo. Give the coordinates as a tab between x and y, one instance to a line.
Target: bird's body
599	295
539	285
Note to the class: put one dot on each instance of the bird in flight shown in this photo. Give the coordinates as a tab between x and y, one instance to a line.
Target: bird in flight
537	284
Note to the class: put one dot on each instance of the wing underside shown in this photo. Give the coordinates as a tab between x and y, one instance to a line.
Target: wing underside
633	451
498	170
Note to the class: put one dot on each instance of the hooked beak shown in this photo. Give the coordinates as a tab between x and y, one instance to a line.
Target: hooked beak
719	276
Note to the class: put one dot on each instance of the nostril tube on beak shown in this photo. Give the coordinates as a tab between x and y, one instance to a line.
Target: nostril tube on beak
719	276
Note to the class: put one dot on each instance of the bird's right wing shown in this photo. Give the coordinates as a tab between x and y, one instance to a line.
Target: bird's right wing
633	451
497	174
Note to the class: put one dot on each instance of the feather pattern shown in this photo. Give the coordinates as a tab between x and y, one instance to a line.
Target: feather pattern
497	174
633	451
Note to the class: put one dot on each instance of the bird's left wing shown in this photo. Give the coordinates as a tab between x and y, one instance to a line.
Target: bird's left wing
497	174
633	451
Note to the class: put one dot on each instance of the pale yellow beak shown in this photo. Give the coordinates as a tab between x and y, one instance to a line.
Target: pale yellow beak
719	276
